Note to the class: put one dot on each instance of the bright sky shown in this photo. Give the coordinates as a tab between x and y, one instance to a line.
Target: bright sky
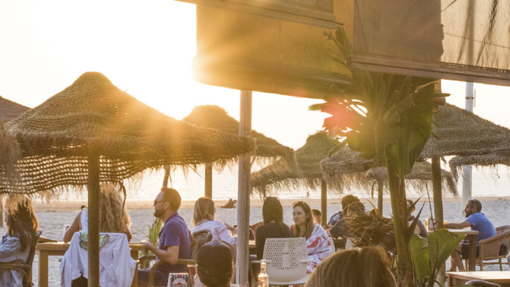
146	47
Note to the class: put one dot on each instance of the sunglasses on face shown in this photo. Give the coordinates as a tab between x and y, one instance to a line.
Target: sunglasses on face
157	201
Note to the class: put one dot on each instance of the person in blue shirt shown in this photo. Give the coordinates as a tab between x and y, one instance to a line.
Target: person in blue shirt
174	239
477	221
346	201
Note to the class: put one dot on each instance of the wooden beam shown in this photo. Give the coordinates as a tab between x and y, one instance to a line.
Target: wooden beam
324	203
208	180
166	177
93	214
243	194
380	189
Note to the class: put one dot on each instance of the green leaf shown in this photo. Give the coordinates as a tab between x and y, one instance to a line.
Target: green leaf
420	256
442	243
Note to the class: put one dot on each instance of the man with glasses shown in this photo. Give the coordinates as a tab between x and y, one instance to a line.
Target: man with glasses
174	240
477	221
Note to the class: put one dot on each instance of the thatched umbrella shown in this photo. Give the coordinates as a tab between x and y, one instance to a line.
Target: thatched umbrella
308	172
216	117
9	110
346	168
457	132
93	132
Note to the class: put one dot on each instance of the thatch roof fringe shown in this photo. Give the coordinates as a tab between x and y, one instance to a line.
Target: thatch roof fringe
488	160
217	118
94	116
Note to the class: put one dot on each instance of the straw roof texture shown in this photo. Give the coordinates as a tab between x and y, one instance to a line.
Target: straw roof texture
10	110
486	160
346	168
215	117
459	132
277	176
92	116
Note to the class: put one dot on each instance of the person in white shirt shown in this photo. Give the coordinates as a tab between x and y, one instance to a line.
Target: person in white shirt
203	218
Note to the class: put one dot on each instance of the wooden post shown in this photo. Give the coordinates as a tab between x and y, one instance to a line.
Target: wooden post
1	212
166	176
243	194
324	203
438	207
208	180
93	213
380	189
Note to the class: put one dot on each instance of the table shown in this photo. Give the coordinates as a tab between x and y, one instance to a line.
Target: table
500	277
44	250
471	236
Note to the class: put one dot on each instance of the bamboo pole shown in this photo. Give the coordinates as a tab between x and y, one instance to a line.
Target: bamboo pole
93	213
243	194
438	207
208	180
380	189
324	203
166	176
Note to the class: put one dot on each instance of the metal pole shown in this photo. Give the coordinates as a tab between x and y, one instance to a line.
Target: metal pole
208	180
243	194
93	213
324	203
467	172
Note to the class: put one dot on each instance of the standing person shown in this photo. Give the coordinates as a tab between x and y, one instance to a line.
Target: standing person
319	244
346	201
272	214
477	221
174	240
203	218
22	226
113	215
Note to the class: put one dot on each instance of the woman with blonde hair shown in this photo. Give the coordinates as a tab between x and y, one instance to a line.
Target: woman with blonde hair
364	267
22	226
319	244
113	215
203	218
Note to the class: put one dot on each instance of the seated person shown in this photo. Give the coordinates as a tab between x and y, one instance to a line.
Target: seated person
477	221
214	262
22	226
203	218
340	228
272	214
364	267
113	215
319	244
316	216
174	240
346	201
420	228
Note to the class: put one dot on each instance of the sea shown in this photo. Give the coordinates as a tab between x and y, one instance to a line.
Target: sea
494	182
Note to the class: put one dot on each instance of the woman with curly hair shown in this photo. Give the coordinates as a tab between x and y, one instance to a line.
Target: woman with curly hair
364	267
22	225
319	244
113	215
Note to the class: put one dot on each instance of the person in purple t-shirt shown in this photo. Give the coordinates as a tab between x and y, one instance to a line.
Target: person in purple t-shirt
174	240
477	221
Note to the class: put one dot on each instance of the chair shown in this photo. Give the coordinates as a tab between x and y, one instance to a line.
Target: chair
25	268
489	249
481	283
286	259
201	237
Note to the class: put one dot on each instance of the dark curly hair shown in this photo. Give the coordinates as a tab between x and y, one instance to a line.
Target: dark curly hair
214	262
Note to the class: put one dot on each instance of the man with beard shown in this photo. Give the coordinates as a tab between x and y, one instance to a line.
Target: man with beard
174	239
477	221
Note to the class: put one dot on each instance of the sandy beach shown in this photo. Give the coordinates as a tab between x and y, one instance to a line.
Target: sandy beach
53	216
